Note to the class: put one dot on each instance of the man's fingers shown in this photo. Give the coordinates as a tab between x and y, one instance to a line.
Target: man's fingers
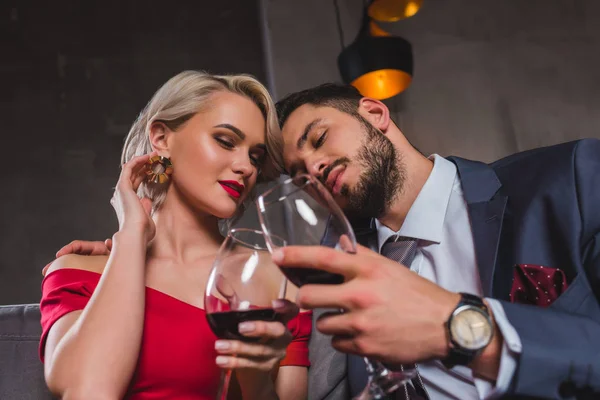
108	243
340	324
347	344
319	257
84	248
323	296
72	248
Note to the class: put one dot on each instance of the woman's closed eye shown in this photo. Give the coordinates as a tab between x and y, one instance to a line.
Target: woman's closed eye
225	142
256	156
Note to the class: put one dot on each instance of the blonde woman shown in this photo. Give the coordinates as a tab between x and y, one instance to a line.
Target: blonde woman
131	324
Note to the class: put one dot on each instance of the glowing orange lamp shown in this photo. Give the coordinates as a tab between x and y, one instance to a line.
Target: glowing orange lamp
393	10
377	64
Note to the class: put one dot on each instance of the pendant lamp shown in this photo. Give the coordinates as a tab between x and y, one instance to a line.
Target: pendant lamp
377	64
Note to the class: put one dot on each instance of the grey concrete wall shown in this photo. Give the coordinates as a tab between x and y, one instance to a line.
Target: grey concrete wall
491	77
73	77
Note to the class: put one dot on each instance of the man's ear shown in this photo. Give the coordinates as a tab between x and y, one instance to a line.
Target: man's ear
375	112
159	133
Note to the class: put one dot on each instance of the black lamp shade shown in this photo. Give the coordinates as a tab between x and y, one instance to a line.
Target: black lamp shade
379	67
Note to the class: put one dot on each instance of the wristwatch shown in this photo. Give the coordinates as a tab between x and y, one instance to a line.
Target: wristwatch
470	330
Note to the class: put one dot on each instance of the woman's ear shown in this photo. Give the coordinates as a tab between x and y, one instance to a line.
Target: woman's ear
375	112
158	138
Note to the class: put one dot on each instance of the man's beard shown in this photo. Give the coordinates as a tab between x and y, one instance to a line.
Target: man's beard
381	181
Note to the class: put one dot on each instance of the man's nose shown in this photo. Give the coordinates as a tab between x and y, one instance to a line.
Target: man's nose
317	167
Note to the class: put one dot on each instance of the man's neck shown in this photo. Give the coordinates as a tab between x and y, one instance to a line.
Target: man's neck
418	168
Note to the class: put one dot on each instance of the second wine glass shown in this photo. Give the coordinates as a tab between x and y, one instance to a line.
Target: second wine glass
302	212
242	286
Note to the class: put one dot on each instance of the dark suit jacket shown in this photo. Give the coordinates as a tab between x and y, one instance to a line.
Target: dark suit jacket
537	207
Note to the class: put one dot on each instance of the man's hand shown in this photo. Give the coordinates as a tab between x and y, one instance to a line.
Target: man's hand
86	248
83	248
391	313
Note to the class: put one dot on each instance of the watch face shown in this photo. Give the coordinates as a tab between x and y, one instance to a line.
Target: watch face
471	328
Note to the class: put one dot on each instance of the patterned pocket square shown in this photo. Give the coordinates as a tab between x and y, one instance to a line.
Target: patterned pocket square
537	285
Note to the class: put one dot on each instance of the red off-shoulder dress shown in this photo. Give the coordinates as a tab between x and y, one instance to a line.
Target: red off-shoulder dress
177	356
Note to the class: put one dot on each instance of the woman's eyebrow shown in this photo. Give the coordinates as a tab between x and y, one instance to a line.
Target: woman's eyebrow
232	128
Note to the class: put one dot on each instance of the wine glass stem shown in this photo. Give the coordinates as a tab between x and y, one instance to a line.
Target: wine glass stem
224	385
382	382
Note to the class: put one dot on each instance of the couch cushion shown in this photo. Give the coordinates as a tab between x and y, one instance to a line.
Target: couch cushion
21	371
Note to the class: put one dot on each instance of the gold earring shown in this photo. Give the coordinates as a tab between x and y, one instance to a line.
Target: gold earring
159	169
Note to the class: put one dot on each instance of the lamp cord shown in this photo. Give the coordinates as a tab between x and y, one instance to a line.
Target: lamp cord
339	23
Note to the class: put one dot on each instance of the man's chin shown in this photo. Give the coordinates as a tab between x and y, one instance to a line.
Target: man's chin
358	210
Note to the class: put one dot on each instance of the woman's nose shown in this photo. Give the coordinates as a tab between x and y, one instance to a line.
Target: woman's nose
243	167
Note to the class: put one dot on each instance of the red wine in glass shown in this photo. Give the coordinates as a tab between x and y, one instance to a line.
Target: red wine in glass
242	286
302	212
225	323
305	276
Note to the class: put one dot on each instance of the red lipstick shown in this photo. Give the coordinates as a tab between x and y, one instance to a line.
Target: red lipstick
233	188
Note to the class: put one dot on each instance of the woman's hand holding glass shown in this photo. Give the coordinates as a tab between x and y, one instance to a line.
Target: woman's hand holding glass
245	306
264	342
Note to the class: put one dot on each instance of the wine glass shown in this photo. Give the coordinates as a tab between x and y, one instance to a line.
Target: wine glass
242	286
302	212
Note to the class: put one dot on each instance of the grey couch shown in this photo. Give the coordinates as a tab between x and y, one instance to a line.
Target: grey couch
21	371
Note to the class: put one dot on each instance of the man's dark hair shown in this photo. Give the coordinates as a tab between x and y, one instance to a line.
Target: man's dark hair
344	98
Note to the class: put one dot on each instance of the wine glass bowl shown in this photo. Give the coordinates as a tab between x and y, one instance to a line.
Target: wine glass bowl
242	286
301	211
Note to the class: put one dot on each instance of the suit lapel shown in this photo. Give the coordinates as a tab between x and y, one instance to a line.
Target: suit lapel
486	223
486	205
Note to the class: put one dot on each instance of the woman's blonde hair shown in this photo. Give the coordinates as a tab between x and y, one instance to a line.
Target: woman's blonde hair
187	94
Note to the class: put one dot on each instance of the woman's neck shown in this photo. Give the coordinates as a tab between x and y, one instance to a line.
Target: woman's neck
182	234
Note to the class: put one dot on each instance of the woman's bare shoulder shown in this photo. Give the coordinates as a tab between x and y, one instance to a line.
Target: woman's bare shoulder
76	261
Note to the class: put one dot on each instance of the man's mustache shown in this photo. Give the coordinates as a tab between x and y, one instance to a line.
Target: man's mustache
327	170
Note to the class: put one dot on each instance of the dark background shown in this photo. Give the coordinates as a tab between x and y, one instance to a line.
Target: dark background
492	77
73	77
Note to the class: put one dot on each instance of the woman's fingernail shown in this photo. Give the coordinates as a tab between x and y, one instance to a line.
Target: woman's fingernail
246	327
222	360
221	345
277	255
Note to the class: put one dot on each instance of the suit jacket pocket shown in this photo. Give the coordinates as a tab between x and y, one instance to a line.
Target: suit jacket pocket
537	285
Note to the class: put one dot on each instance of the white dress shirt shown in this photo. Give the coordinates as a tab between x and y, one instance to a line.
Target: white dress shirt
445	255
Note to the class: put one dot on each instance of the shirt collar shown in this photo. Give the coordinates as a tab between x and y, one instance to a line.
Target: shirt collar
425	219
